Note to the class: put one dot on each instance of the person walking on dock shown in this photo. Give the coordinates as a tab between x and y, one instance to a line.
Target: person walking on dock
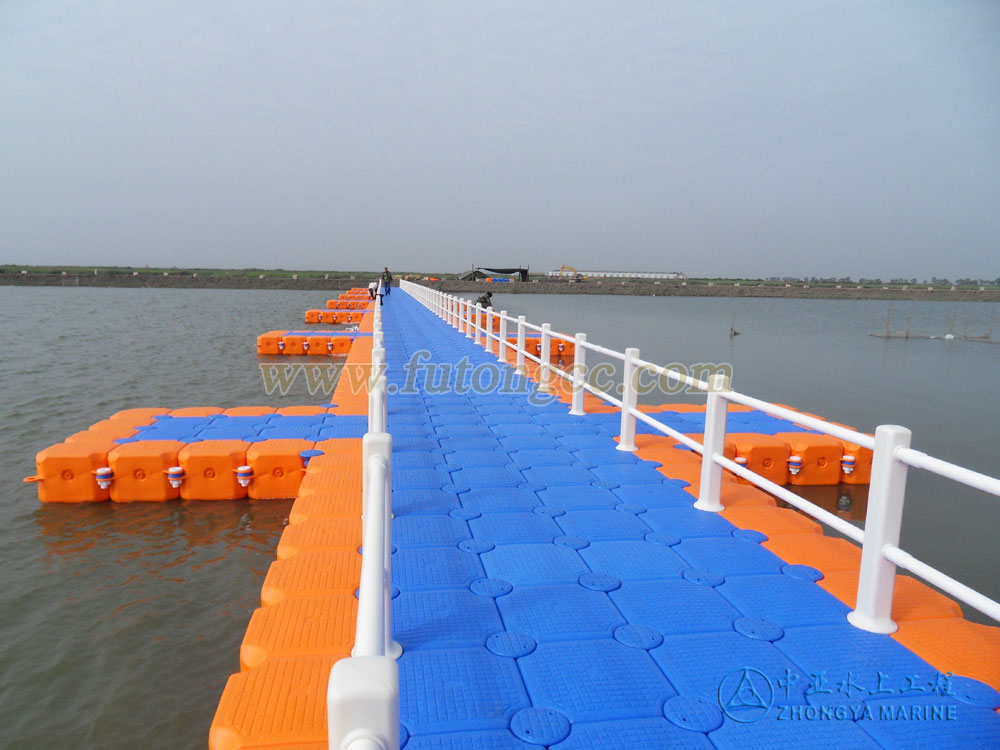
371	289
485	300
387	280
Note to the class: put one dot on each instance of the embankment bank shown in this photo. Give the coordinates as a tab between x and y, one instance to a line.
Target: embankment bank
603	287
722	289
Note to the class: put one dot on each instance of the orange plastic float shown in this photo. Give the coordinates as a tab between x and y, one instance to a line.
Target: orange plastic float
210	469
277	468
140	471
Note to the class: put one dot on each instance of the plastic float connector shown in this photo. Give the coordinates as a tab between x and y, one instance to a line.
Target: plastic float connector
175	475
794	464
329	346
847	463
741	460
244	474
305	346
281	345
104	476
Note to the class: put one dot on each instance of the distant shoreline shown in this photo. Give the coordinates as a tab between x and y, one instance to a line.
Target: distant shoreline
603	287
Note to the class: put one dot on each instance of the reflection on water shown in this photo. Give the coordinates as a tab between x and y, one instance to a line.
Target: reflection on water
849	501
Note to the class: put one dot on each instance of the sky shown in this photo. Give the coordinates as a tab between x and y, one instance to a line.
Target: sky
854	138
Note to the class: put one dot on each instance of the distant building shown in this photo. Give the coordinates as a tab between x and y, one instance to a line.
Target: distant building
617	274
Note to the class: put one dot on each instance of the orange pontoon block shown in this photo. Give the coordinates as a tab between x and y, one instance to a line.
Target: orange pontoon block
134	417
770	520
318	534
323	505
140	471
247	716
210	469
955	645
66	471
911	599
822	552
269	343
294	345
196	411
277	468
318	346
313	316
764	454
820	455
322	572
320	625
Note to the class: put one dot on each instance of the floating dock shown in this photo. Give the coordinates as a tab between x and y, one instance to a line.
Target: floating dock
550	590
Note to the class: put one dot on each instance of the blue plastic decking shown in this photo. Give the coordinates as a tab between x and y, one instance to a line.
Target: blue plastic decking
555	592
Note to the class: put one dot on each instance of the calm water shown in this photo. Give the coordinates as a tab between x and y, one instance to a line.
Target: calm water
120	624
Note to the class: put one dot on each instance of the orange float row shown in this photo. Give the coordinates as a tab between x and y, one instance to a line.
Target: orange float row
333	317
294	343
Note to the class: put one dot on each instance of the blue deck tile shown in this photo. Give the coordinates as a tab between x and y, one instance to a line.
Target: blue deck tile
770	733
735	556
550	476
633	734
494	499
839	649
420	479
407	502
698	665
686	521
415	460
430	568
487	476
470	444
525	564
443	619
602	525
449	690
547	457
607	457
633	560
674	607
644	473
557	613
427	531
495	740
520	527
794	602
931	722
476	458
595	680
573	497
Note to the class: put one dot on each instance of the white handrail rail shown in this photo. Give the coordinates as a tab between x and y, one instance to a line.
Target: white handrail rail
891	457
363	690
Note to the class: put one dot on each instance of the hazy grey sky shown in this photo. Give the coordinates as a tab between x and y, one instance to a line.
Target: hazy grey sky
733	138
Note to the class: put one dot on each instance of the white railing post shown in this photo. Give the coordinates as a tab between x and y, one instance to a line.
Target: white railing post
873	608
452	317
520	368
502	337
545	355
716	411
469	312
489	330
630	399
478	315
579	373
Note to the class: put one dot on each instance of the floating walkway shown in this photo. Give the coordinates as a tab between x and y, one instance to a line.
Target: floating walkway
550	590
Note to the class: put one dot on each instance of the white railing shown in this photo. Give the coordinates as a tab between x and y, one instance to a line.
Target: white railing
891	457
363	692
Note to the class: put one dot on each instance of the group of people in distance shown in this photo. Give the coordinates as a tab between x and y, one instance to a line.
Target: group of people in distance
381	286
